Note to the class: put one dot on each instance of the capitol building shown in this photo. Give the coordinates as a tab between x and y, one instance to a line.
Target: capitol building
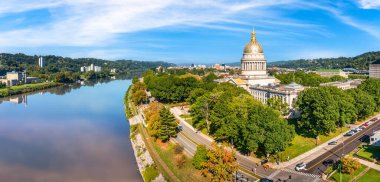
255	79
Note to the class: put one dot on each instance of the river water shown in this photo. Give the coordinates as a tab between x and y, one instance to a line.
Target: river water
75	133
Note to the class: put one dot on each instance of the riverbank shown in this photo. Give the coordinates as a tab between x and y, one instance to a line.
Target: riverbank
145	162
20	89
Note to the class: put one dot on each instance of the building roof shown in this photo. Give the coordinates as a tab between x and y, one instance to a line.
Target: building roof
329	70
239	81
376	62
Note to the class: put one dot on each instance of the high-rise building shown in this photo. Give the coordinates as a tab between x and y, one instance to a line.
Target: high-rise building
92	67
374	69
41	62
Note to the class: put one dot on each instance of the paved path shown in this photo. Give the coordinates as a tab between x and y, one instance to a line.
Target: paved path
369	164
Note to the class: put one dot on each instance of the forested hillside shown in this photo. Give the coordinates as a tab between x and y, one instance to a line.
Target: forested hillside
360	62
54	64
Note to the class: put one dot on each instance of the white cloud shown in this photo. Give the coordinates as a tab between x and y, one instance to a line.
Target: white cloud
369	4
99	22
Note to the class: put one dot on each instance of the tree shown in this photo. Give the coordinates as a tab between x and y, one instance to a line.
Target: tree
168	125
349	165
200	157
221	163
319	111
153	119
364	103
279	105
372	87
139	96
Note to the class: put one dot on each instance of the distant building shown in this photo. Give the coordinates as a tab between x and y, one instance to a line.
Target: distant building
348	84
113	70
374	139
331	72
41	62
92	67
374	69
12	78
160	69
217	66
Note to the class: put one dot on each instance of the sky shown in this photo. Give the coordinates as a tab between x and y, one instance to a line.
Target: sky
189	31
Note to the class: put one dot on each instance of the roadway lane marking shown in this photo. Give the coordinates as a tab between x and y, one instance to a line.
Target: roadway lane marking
339	148
301	173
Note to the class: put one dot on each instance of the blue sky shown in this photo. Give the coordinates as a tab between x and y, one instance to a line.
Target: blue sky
184	31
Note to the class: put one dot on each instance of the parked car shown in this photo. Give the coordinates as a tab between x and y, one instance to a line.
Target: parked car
365	124
180	128
354	130
373	119
300	166
333	143
362	127
349	133
328	162
266	180
358	129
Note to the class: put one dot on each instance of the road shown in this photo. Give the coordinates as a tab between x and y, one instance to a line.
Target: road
190	138
344	147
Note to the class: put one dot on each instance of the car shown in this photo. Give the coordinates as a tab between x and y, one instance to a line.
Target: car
328	162
365	124
333	143
369	122
358	129
180	128
349	134
354	130
300	166
266	180
362	127
373	119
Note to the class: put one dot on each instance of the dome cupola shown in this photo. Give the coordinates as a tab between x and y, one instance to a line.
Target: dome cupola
253	47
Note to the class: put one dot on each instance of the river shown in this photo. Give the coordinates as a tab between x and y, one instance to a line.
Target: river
71	133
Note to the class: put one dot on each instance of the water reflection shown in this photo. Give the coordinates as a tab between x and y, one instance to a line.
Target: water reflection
76	132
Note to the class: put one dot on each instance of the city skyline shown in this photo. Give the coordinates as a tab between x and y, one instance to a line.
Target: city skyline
203	32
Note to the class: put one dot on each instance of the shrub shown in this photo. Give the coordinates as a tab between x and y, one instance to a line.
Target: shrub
180	160
178	149
349	165
200	157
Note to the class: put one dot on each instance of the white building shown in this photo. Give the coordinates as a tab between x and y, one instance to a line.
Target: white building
41	62
92	67
374	69
253	64
374	139
344	85
331	72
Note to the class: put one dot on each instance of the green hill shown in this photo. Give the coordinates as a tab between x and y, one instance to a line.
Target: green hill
360	62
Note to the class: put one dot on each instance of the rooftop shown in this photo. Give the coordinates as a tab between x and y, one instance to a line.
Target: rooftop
329	70
376	62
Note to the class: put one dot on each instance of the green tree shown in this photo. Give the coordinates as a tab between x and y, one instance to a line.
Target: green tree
153	119
279	105
364	103
168	125
319	111
200	157
372	87
221	164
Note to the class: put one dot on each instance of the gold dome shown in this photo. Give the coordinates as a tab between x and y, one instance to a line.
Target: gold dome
253	46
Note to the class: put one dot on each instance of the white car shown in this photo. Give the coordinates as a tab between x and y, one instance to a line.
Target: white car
358	129
300	166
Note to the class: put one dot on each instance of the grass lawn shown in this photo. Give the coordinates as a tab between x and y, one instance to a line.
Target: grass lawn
187	172
301	144
369	152
346	177
370	176
19	89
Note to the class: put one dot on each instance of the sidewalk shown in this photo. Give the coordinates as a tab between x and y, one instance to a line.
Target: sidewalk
369	164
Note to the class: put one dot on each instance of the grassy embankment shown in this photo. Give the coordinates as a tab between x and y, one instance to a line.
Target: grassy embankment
19	89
